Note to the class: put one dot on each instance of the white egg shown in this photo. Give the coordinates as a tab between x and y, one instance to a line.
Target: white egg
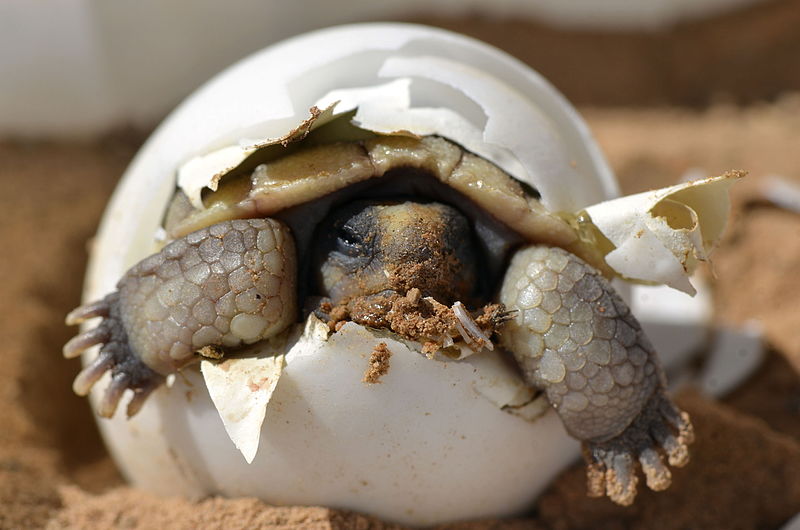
430	443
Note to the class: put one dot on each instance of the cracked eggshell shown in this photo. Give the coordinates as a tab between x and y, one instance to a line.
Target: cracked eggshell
660	235
426	445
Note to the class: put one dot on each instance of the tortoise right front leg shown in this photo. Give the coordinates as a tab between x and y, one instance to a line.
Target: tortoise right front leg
226	285
577	340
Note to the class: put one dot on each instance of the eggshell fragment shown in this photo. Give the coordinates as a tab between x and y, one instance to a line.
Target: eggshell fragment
207	170
501	109
782	192
241	390
660	235
736	352
679	325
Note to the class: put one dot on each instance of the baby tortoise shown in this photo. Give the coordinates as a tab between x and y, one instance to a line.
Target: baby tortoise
406	234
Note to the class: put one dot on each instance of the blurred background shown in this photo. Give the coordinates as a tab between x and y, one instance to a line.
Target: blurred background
672	89
82	67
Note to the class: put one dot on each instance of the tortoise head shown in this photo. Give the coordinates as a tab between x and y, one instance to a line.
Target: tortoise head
371	247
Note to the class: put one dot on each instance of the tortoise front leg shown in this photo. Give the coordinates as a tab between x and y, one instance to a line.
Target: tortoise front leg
230	284
577	340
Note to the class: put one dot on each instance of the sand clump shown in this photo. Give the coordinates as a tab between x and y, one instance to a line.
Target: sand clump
378	364
425	320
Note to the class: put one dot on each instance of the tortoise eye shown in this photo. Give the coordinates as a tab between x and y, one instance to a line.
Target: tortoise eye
349	242
348	236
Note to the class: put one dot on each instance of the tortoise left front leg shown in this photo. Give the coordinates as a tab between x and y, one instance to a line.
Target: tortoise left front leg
577	340
223	286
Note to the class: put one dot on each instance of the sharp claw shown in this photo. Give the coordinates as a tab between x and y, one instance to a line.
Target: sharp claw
621	480
80	343
677	452
679	420
505	316
659	436
110	400
89	376
596	479
140	397
99	308
686	429
657	474
116	355
676	448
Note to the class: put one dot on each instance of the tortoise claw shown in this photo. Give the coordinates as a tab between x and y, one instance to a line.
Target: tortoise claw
140	396
659	431
116	356
80	343
85	380
108	403
100	308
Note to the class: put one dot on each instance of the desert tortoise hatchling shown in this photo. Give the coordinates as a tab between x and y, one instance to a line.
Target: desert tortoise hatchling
415	235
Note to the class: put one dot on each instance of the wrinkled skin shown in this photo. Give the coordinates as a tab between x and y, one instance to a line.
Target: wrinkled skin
234	283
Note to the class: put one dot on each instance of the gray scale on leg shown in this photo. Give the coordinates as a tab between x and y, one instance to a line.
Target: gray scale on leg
577	340
224	286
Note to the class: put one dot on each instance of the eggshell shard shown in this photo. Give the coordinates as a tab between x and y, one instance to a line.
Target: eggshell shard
431	442
659	236
782	192
240	390
498	107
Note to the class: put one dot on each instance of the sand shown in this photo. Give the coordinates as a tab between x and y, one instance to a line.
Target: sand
745	469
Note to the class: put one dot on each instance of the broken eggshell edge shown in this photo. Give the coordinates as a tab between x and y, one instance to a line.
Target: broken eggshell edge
421	447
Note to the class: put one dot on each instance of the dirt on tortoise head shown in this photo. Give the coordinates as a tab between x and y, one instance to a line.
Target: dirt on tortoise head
431	253
425	320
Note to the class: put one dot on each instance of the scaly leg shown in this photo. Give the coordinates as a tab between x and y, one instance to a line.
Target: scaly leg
230	284
577	340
